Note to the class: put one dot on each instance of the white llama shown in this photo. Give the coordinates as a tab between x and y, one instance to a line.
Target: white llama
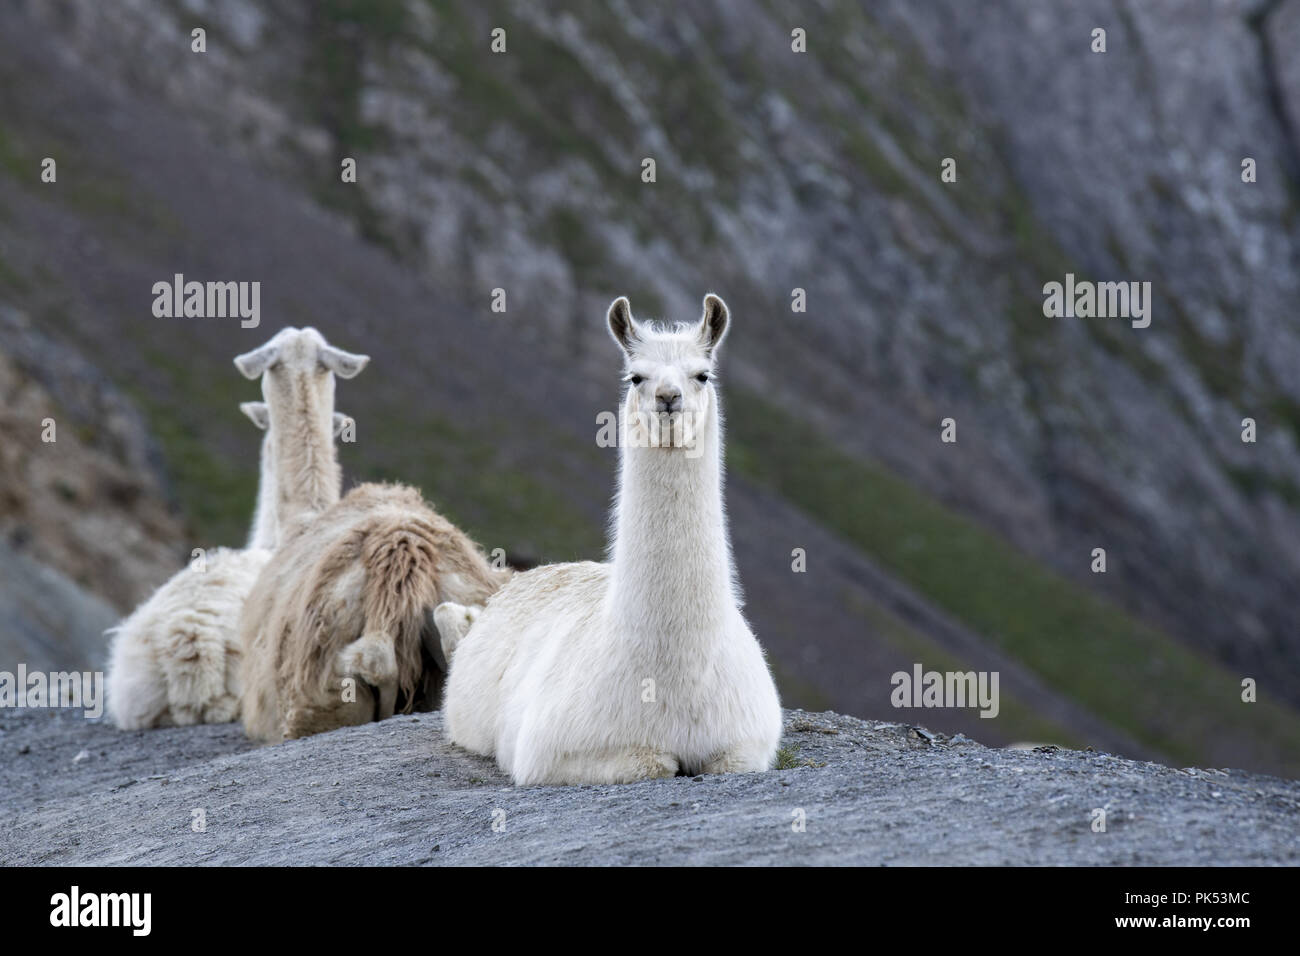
643	667
175	659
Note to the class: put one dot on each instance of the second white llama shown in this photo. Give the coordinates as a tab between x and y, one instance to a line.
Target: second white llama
643	667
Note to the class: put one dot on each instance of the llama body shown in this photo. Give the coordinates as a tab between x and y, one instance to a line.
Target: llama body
643	667
176	659
349	597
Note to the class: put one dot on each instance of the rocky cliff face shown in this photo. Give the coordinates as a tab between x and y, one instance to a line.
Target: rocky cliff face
776	171
87	532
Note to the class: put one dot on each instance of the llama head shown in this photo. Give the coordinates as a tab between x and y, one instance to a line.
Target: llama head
670	400
296	366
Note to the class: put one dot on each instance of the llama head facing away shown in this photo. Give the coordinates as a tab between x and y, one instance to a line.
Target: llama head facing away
297	368
670	401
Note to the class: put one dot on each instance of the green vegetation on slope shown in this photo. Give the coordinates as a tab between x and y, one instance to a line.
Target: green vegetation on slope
466	473
217	495
341	30
1138	678
1015	719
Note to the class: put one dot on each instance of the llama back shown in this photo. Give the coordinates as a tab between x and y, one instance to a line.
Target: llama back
305	607
647	669
357	586
390	560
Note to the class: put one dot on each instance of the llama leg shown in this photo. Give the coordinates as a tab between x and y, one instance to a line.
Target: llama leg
303	718
193	654
451	622
749	757
370	657
224	707
386	700
616	766
221	710
137	689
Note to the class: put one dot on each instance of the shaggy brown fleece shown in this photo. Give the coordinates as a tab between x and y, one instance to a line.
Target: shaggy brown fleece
349	594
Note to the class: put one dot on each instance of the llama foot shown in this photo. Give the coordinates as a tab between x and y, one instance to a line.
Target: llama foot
745	758
182	716
307	718
223	710
385	700
626	766
370	657
452	622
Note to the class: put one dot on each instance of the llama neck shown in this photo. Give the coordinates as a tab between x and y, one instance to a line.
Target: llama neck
672	573
307	476
264	530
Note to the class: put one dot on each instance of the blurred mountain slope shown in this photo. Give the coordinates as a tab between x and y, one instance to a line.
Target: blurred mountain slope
775	171
85	528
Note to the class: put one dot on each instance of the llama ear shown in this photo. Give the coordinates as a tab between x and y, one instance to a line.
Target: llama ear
257	413
341	422
621	324
341	363
714	324
254	363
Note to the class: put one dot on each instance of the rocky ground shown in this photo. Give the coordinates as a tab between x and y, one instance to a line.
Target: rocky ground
395	793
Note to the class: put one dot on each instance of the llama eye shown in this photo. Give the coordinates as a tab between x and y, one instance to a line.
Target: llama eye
635	379
702	378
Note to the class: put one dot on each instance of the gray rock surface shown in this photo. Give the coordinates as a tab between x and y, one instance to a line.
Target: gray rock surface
50	623
391	793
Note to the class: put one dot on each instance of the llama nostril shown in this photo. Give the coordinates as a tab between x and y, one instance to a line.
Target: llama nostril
668	401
